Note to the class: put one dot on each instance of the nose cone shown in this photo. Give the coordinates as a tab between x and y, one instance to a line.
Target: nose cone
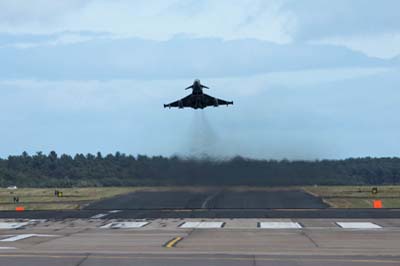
197	81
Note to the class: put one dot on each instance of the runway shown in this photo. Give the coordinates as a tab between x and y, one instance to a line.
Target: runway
212	199
88	242
209	203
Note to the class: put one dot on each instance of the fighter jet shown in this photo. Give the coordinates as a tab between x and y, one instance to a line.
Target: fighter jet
197	99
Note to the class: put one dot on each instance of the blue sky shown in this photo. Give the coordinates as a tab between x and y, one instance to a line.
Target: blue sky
310	79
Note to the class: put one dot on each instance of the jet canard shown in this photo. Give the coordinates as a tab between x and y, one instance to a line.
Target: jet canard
197	99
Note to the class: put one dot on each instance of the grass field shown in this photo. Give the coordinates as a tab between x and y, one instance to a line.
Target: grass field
357	196
76	198
44	198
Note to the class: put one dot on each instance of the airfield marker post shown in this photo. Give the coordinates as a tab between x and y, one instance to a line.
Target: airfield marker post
377	204
20	208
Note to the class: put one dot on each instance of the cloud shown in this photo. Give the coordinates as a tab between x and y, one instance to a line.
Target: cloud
127	58
155	19
24	41
274	20
372	28
361	26
318	19
381	45
20	15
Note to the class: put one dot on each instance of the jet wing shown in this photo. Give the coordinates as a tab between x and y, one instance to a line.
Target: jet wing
184	102
212	101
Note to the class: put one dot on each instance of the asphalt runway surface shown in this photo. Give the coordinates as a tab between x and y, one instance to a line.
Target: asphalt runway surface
211	203
212	199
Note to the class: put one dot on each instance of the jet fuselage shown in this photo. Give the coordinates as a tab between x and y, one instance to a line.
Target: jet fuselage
197	88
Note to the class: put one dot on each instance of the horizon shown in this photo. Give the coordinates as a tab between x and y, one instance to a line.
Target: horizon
205	157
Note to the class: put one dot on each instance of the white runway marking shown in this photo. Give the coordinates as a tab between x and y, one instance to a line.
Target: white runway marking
202	225
16	238
5	225
7	248
23	236
114	211
204	205
358	225
280	225
98	216
37	220
101	215
124	225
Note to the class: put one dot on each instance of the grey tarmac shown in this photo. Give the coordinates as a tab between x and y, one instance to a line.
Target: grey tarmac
218	228
238	242
193	260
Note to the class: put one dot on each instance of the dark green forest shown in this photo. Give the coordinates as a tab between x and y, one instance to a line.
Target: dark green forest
52	170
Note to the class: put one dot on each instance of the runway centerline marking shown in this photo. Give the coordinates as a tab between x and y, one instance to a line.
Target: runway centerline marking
98	216
358	225
101	215
208	199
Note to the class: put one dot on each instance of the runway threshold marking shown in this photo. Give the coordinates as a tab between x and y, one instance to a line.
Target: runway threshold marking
202	225
172	243
279	225
7	225
124	225
358	225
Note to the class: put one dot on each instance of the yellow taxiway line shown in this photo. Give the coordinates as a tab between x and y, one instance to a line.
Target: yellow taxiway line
173	242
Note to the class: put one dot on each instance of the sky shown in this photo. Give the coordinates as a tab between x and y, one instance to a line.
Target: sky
310	79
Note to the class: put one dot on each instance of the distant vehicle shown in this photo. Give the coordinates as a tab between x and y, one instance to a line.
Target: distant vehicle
12	187
197	99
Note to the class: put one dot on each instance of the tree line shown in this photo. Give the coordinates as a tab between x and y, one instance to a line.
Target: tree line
52	170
